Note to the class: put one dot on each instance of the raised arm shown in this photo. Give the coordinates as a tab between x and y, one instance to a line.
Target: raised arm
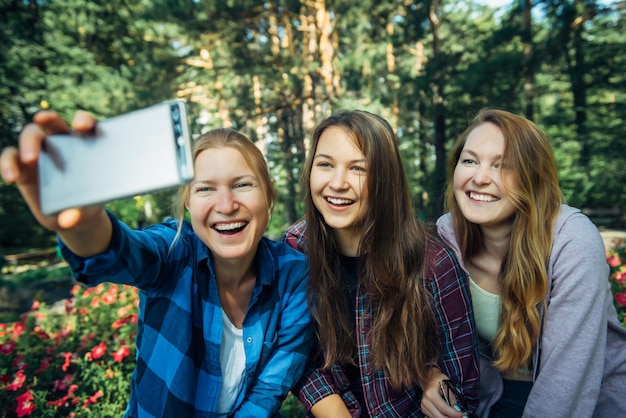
85	231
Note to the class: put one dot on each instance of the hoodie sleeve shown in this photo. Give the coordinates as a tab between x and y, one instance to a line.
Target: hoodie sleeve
573	341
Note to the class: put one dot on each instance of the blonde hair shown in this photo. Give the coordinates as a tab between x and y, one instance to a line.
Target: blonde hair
537	198
225	137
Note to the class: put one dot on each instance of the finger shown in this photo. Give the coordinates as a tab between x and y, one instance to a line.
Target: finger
83	121
30	141
51	122
9	164
69	218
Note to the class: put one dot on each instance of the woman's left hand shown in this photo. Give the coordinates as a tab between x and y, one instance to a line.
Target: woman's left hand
433	404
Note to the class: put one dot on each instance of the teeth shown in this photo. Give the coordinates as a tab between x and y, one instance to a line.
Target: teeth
483	197
336	201
230	227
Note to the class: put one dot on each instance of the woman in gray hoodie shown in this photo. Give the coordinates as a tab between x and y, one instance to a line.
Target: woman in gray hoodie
551	344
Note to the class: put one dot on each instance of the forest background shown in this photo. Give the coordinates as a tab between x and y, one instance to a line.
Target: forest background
272	69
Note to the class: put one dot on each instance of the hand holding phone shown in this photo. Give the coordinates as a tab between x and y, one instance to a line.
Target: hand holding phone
135	153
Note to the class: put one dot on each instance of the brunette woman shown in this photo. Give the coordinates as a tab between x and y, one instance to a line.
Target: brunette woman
391	304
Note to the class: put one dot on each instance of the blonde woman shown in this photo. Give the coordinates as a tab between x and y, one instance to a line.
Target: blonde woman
223	327
551	345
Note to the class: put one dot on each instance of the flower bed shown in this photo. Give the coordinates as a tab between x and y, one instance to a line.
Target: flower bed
75	359
616	257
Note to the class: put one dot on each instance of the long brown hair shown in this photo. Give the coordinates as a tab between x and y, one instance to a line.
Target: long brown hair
393	244
537	197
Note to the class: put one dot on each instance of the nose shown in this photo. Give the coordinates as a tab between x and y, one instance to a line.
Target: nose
226	202
482	175
338	179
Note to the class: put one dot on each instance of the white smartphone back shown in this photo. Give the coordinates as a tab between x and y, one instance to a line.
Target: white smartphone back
139	152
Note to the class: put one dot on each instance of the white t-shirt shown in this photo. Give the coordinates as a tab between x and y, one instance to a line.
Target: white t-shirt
233	361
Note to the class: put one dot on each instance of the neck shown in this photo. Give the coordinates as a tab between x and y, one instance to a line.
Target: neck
496	240
348	241
234	273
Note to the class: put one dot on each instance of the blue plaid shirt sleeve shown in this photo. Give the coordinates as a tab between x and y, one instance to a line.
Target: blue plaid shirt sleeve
178	370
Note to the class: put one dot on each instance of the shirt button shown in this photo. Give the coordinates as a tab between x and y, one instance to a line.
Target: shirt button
249	340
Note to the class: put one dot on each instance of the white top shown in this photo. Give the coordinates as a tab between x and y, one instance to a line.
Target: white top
486	311
233	361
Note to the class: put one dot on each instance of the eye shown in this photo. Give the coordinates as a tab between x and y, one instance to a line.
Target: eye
468	161
324	164
359	169
203	190
243	186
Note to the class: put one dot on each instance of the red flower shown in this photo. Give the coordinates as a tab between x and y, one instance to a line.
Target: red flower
19	363
18	381
45	363
18	329
7	348
621	298
620	277
92	399
120	354
69	305
118	323
24	404
63	384
613	260
35	305
99	350
95	302
66	363
108	298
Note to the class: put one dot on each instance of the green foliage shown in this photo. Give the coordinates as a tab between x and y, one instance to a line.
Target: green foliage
272	69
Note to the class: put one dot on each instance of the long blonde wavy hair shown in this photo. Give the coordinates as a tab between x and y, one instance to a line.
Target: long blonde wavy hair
537	197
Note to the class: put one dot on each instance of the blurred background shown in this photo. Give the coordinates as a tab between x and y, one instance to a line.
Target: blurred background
272	69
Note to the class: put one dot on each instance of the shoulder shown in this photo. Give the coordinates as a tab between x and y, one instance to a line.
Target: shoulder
295	235
442	264
575	230
281	258
281	267
282	251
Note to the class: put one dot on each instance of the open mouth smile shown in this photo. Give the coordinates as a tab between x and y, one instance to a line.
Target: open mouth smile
230	228
339	202
482	197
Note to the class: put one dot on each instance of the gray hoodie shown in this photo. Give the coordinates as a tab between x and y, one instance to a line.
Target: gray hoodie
581	356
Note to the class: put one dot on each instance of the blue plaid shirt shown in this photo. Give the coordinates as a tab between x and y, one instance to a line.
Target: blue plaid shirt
448	284
178	371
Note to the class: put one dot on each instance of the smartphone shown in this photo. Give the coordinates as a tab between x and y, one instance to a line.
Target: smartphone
135	153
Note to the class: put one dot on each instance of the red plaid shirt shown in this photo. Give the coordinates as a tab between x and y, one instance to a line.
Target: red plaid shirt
449	286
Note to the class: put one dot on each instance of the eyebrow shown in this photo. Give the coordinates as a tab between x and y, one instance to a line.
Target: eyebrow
233	180
469	151
328	157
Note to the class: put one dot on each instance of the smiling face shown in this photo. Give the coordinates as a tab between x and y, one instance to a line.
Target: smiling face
337	182
480	176
227	206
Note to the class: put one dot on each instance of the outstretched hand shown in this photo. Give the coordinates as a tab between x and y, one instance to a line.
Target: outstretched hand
18	165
